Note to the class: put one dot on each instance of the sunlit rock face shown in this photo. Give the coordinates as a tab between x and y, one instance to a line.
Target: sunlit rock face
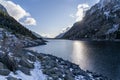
98	22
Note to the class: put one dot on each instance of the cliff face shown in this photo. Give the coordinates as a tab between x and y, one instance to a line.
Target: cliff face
102	21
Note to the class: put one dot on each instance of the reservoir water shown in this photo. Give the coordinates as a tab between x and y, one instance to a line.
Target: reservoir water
100	57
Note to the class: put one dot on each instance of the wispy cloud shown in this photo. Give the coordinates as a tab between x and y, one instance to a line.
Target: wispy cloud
17	12
82	8
72	15
30	21
47	35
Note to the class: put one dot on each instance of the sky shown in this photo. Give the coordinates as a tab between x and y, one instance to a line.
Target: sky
47	17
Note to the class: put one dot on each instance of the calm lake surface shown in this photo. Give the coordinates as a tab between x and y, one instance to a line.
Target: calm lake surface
100	57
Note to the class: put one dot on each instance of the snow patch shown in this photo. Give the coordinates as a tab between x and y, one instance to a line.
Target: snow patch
2	78
30	54
36	73
112	30
79	77
107	14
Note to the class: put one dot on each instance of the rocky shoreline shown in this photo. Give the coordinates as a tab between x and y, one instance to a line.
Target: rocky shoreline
53	68
33	43
58	69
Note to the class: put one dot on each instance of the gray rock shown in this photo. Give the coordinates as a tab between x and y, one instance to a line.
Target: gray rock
69	77
12	78
55	77
40	57
9	62
4	72
25	70
31	58
24	62
2	66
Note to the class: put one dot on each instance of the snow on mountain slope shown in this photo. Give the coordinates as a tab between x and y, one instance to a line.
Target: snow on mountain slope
63	32
98	23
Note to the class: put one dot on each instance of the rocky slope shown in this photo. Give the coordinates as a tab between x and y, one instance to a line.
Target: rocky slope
23	41
102	21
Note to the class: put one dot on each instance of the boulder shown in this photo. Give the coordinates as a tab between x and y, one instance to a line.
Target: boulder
2	66
25	63
68	77
30	57
24	70
12	78
4	72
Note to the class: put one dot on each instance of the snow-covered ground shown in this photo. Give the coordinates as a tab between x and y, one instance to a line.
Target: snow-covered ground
113	29
36	74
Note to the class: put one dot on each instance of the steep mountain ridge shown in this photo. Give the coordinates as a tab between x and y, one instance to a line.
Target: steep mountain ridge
62	33
10	25
102	21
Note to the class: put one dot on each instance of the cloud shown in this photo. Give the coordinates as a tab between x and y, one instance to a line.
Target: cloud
72	15
17	12
30	21
82	8
47	35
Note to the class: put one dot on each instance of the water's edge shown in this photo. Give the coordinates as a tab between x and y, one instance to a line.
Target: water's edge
56	68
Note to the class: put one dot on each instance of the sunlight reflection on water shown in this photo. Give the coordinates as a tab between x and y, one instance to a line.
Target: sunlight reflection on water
99	57
78	54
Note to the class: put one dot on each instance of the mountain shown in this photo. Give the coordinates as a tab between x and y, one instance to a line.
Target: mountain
10	25
62	33
101	21
13	26
37	35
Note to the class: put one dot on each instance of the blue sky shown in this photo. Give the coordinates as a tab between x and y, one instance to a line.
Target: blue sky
51	16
